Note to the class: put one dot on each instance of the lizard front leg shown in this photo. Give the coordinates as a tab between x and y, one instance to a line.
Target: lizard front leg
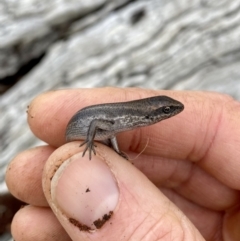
95	125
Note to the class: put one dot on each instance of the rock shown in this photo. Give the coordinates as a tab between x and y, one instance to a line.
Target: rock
28	28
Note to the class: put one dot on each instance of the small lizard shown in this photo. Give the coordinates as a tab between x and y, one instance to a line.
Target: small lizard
103	121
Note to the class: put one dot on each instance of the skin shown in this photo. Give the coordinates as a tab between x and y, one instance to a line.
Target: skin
192	158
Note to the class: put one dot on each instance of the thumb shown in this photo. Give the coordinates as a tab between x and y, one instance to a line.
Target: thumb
108	197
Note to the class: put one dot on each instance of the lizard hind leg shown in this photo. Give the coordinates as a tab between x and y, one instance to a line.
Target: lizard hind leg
114	145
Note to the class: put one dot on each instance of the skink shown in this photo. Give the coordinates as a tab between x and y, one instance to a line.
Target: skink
103	121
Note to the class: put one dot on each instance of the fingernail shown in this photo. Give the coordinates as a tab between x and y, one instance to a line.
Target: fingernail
85	191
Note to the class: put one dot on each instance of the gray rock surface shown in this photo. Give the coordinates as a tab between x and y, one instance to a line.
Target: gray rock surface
159	44
29	27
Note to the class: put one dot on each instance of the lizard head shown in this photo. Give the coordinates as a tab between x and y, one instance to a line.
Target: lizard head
163	107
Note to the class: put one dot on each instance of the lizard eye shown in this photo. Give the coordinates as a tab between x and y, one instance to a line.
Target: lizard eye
166	110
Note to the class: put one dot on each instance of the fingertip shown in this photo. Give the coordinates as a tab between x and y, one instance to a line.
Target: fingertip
104	195
46	118
35	223
24	175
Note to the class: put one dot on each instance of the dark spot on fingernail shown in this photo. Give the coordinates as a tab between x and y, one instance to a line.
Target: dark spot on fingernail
82	227
101	221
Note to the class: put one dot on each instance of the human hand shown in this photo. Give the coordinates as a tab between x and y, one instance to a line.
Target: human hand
190	164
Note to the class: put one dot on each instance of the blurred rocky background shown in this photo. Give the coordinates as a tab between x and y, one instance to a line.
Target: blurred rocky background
159	44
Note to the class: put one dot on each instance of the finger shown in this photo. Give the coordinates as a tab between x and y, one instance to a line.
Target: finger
199	134
97	198
35	223
50	112
24	175
190	181
207	221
